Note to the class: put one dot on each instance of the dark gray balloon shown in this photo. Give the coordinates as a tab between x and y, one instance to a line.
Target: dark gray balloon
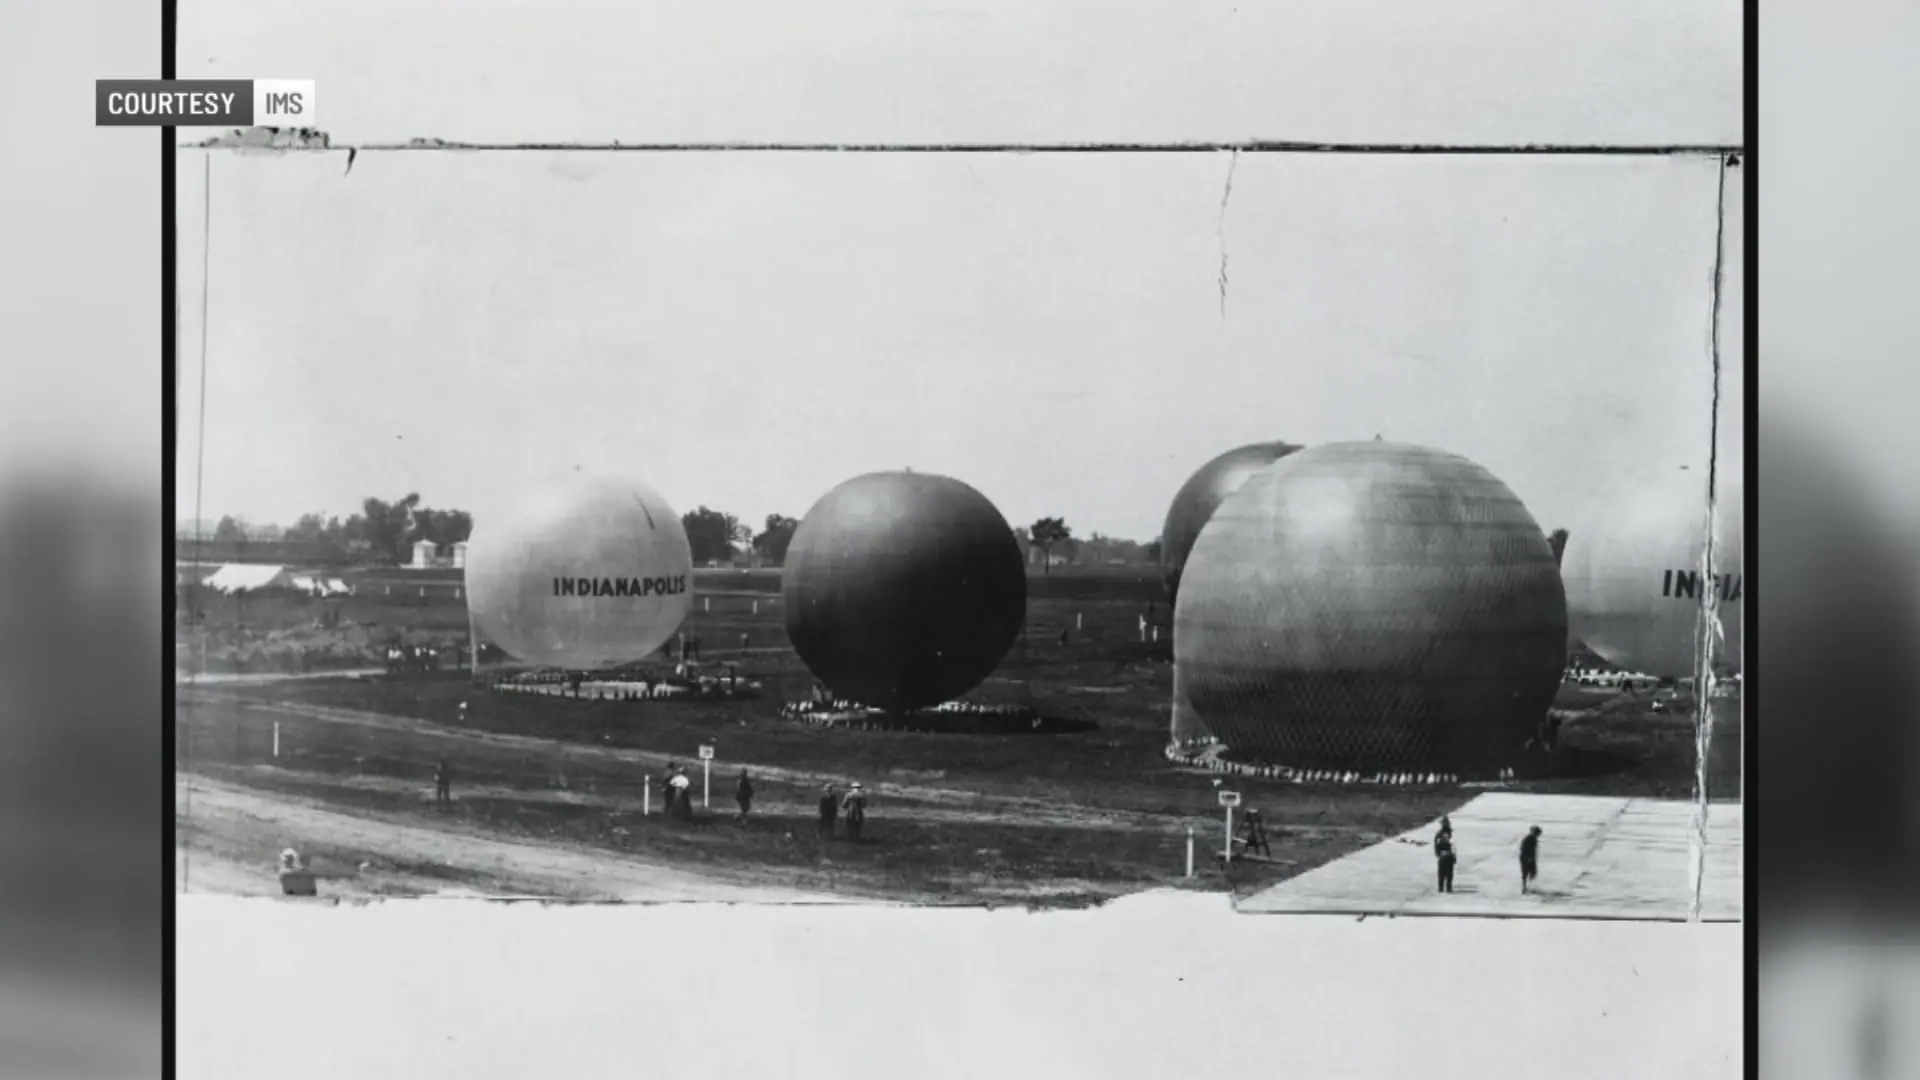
903	590
1192	507
1201	495
1372	606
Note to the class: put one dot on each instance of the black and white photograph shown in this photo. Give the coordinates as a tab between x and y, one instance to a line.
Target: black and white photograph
1347	530
910	456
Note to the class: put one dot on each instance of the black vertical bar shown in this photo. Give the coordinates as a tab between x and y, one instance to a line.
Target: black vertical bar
1749	703
170	440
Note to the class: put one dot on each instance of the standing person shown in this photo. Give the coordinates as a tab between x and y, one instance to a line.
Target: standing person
1063	638
1529	858
743	641
442	782
682	794
1444	855
1256	834
743	794
666	787
1445	835
856	807
829	811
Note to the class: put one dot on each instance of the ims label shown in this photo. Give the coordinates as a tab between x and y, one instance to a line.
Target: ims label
285	103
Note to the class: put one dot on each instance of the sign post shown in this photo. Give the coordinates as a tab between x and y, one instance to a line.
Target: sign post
706	775
1189	851
1229	799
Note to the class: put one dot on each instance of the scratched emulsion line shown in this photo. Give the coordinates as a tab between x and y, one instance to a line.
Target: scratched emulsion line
1225	194
313	141
200	460
1709	630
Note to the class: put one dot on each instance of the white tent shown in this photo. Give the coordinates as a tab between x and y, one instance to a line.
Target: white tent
236	576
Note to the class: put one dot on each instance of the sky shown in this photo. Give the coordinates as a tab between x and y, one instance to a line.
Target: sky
1071	334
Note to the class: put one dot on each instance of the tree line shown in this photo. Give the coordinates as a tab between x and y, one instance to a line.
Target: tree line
386	532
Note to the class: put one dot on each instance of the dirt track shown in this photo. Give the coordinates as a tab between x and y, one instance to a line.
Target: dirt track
963	805
226	828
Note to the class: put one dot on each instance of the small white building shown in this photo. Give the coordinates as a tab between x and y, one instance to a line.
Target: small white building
459	554
247	577
423	554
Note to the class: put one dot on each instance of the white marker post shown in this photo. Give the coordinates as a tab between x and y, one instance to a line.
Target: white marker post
706	604
1189	851
756	607
646	795
706	773
276	738
1229	799
1079	621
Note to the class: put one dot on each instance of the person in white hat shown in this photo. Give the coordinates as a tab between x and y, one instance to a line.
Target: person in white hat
295	879
681	804
855	806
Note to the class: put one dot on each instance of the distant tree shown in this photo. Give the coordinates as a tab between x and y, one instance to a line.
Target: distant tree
441	527
230	531
712	534
1153	551
1047	533
311	528
772	543
1557	540
349	534
388	525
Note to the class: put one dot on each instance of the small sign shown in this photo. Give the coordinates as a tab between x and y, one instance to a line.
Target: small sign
1229	799
706	754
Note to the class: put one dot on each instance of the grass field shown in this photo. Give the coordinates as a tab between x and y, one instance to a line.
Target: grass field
1025	818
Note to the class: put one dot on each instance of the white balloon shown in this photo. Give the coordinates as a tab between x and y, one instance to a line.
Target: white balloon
588	573
1637	577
